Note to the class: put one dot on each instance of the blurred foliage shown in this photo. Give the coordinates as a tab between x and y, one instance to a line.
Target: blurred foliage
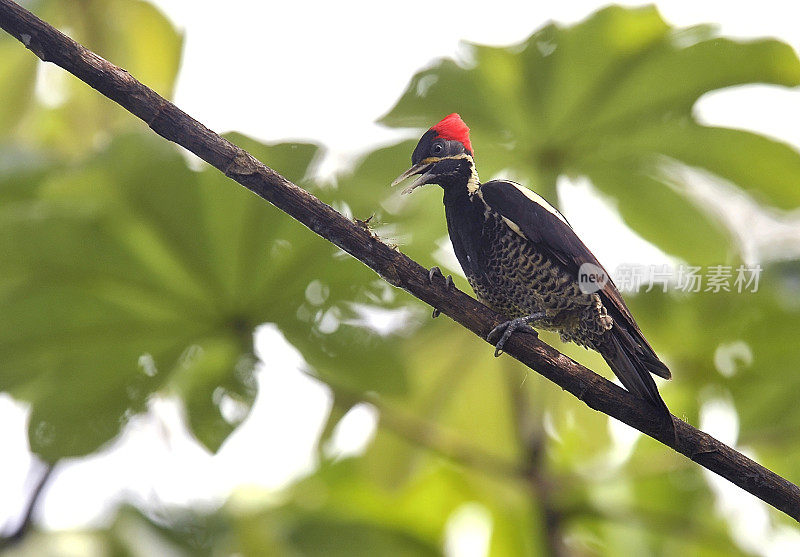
69	117
129	269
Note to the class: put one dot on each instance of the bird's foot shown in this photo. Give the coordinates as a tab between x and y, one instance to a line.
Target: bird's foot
505	330
448	284
437	271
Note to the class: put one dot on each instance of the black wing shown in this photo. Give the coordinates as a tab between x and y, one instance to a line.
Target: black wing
541	223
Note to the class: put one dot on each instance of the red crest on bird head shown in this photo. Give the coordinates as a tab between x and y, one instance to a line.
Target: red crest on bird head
453	127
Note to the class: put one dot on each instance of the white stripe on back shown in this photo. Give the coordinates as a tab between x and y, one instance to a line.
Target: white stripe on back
539	200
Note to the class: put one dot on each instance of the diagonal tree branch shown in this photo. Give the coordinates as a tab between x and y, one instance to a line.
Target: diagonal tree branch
598	393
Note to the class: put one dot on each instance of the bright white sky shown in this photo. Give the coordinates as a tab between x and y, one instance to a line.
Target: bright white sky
326	71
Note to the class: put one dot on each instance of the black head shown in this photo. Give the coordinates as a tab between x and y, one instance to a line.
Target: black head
443	156
433	145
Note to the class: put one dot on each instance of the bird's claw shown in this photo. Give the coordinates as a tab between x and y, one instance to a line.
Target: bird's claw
506	329
437	271
448	285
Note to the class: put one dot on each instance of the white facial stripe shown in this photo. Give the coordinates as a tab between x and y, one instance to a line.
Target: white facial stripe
454	157
473	184
539	200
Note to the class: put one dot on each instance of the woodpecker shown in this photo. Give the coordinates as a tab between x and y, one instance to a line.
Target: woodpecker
523	259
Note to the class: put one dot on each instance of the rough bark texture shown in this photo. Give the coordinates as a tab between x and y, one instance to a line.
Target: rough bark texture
598	393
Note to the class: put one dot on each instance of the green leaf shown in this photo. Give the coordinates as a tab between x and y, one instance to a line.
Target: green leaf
661	214
768	172
109	275
132	274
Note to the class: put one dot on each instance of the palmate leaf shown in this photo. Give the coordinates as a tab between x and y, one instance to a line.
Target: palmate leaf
132	274
610	95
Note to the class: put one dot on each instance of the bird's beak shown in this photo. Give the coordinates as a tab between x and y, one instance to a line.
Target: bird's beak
420	168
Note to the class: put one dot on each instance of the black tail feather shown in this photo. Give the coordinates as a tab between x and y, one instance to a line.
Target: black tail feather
632	364
638	345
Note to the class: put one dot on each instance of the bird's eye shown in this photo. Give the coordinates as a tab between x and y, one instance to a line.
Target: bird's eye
437	148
